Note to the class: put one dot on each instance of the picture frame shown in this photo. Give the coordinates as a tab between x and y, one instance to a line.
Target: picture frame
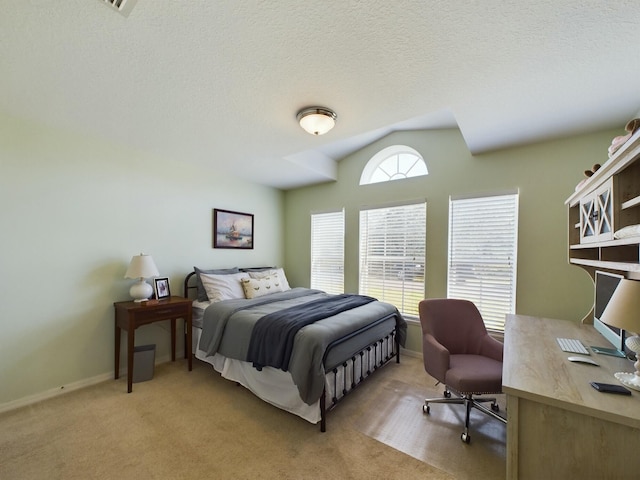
161	287
232	229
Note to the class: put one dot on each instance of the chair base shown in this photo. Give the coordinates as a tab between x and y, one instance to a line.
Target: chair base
469	401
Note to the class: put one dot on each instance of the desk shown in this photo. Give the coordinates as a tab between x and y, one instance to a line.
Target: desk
131	315
558	425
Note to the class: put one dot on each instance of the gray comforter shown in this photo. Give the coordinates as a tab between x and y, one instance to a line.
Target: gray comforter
227	327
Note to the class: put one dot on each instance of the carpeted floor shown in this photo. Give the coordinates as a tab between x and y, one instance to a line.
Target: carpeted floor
198	425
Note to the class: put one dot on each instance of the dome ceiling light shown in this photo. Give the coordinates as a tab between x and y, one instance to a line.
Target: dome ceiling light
317	120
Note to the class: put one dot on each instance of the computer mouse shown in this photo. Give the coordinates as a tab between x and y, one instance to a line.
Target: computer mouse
583	360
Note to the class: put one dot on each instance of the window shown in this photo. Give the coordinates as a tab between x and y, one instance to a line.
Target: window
392	255
327	251
483	238
393	163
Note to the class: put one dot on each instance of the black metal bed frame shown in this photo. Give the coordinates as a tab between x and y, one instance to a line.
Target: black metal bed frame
383	350
358	367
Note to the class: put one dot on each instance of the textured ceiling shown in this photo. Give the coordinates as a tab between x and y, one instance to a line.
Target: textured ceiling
220	82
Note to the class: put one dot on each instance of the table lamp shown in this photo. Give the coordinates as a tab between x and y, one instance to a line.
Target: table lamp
623	311
141	267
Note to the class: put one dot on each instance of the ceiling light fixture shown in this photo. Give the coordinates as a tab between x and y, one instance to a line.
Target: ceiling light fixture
317	120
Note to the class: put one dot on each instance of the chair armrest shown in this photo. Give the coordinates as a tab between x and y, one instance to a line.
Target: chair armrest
435	356
492	348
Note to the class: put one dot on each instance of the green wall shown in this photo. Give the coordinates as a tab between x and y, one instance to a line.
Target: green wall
545	175
74	211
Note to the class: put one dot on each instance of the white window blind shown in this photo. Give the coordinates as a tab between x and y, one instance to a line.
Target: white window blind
483	239
392	255
327	252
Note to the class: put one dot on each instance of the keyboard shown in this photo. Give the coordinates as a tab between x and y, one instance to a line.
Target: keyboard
572	345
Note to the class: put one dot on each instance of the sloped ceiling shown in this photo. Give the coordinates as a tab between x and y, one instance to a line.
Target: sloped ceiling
219	82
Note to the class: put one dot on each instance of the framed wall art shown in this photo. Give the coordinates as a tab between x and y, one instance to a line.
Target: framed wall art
232	229
161	287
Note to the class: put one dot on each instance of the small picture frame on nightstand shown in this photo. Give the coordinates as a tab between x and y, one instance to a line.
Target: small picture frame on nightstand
161	287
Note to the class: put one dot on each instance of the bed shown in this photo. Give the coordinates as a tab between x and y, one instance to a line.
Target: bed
342	340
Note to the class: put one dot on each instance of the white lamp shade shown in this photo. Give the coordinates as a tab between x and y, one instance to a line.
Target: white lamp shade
317	120
142	266
623	309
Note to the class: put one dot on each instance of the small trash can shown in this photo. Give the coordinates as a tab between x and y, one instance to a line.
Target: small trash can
144	359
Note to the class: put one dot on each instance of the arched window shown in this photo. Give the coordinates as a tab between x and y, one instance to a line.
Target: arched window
393	163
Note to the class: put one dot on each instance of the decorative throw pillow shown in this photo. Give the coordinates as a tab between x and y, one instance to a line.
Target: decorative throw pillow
627	232
223	287
259	287
274	271
202	294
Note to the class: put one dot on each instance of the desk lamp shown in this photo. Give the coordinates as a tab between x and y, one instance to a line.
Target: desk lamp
623	311
141	267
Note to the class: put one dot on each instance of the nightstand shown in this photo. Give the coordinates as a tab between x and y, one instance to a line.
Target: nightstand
131	315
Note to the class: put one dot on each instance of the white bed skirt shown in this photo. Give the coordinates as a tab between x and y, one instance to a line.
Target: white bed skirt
277	388
271	385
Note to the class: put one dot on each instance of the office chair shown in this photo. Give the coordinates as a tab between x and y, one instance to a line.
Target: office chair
458	352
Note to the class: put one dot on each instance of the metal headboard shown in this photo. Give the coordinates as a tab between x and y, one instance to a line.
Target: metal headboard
190	288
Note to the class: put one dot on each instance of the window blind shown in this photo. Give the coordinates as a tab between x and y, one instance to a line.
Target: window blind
327	251
483	238
392	255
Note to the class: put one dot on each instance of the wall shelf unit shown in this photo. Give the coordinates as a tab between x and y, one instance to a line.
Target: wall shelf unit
602	205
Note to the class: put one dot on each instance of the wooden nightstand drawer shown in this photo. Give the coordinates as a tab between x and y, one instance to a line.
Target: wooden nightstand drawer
159	312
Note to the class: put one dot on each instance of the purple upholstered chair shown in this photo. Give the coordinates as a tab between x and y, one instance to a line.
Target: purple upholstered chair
458	352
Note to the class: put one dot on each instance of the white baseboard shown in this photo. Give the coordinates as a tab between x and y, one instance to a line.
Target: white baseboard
54	392
409	353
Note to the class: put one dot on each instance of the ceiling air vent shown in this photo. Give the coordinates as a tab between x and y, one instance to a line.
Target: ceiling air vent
122	6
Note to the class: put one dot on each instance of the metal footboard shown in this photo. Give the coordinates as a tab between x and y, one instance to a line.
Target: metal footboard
344	378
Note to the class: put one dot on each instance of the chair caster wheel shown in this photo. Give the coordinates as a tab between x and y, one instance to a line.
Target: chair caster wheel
447	394
495	407
465	438
426	409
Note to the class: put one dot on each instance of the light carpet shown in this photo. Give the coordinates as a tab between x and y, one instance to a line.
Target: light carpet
196	425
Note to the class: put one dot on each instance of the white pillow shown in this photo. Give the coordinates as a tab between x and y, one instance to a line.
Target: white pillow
627	232
268	273
259	287
223	287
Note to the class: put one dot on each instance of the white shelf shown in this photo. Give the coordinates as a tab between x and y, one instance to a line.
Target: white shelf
622	266
610	243
630	203
623	157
